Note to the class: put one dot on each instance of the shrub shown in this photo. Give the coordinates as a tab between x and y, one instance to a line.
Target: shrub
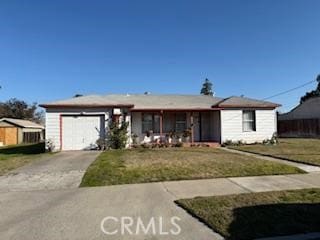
101	142
118	135
187	133
272	141
233	143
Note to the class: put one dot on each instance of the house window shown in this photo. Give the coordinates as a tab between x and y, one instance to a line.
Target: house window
181	122
150	122
249	120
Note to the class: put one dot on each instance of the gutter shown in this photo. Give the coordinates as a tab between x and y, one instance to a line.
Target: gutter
86	105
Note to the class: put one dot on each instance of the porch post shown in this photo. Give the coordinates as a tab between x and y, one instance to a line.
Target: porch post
192	128
128	120
161	125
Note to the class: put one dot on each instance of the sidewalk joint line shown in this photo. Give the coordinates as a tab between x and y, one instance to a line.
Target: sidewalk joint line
168	191
239	185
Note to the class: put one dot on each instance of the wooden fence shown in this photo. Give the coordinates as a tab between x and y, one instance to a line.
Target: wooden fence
299	128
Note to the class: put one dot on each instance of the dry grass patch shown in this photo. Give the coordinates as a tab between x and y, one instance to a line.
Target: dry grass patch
295	149
152	165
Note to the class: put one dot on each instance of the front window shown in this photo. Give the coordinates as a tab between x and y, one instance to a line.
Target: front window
150	122
181	123
249	120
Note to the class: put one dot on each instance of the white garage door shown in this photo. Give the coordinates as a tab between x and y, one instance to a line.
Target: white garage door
81	132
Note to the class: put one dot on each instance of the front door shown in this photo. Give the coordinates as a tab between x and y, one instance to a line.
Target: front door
196	127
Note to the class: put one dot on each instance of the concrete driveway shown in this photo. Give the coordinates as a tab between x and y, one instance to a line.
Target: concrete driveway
62	170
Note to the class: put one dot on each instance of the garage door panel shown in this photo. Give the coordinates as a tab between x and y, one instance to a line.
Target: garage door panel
81	132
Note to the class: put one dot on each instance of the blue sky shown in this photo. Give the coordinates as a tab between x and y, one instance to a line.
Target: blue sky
54	49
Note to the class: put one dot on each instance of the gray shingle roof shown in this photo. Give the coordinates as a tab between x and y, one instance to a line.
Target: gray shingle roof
235	101
90	100
151	101
169	101
22	123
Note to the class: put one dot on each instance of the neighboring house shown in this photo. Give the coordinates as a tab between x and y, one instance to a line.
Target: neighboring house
77	123
302	121
16	131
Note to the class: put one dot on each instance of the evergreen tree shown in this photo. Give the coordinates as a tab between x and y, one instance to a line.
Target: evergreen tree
207	88
312	94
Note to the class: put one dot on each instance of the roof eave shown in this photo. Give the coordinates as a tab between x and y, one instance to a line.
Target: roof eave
22	126
85	105
250	106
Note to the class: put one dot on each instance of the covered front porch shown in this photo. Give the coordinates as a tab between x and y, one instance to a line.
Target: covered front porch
183	126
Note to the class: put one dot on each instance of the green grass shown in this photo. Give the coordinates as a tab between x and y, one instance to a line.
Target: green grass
258	215
152	165
294	149
12	157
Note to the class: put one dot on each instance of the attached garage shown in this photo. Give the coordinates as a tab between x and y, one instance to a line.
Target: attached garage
81	132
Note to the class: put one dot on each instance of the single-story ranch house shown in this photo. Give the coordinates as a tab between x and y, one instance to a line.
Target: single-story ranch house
77	123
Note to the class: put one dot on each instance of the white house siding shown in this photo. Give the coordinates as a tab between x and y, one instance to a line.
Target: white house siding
231	126
53	128
53	121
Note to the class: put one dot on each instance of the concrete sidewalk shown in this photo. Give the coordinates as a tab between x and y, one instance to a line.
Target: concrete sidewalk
226	186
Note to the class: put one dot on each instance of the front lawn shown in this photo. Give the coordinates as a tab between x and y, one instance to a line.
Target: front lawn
296	149
15	156
258	215
153	165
